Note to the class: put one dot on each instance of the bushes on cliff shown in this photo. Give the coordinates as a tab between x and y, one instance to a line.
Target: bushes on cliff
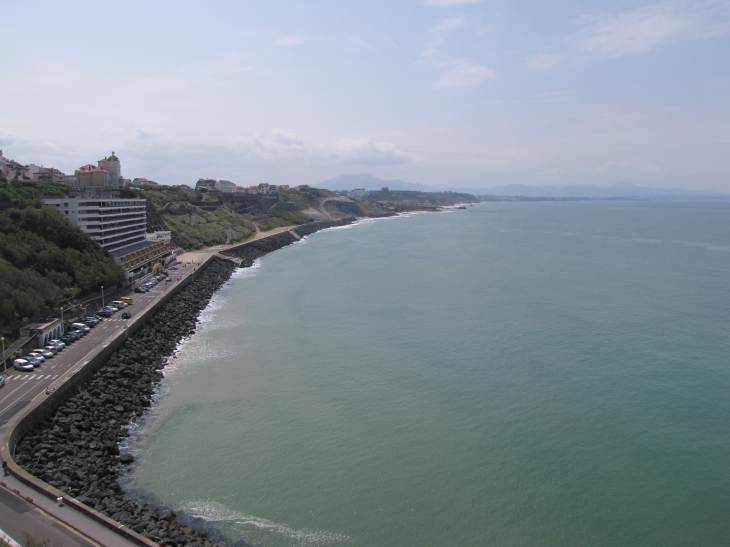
41	255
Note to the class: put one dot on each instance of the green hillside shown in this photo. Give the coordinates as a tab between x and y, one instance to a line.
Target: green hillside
203	219
45	261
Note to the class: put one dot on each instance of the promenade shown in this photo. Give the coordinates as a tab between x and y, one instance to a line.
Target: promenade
25	391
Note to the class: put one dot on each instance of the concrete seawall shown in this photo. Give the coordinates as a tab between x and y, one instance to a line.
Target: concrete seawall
43	408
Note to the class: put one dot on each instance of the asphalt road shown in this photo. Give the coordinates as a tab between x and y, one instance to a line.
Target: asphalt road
17	515
19	518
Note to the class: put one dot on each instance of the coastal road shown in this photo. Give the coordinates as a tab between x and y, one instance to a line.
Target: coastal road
20	517
63	526
22	387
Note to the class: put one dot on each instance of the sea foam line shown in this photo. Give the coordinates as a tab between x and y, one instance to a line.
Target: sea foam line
213	511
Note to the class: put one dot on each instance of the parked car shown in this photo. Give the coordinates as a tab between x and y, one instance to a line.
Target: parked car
126	315
119	304
52	349
168	279
45	353
22	364
68	339
80	327
104	313
33	360
58	343
140	289
38	355
112	309
173	267
91	322
98	317
2	381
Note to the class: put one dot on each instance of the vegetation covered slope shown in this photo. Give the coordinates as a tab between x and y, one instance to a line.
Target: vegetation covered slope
200	219
45	260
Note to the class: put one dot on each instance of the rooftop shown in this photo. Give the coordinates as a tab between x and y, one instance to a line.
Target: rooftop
116	253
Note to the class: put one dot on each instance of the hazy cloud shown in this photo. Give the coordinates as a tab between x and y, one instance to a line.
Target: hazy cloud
450	2
642	29
289	41
286	138
545	61
5	138
366	152
465	74
456	72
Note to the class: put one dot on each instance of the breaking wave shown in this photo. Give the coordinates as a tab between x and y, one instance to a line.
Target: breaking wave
213	511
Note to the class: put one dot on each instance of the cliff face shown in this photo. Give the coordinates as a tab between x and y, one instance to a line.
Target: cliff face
338	207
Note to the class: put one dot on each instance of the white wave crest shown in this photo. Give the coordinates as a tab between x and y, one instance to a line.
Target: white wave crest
251	271
213	511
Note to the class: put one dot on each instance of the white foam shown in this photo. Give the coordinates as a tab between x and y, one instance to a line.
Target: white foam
213	511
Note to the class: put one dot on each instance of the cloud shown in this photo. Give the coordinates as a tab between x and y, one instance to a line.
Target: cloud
451	23
5	138
450	2
455	72
366	152
145	135
465	74
644	28
545	61
287	139
289	41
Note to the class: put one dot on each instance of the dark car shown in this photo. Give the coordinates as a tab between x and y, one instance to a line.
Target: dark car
104	313
66	339
139	289
98	317
126	315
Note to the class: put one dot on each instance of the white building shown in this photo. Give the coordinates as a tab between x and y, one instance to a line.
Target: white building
263	188
357	193
225	186
114	166
114	223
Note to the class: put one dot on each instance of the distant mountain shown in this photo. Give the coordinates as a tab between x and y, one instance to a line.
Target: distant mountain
368	182
618	190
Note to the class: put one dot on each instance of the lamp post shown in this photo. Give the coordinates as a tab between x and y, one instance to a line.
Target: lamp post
102	296
5	367
62	329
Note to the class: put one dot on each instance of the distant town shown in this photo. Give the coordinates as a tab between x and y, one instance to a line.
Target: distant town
100	203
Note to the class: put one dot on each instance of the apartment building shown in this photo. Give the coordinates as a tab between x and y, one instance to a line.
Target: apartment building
113	222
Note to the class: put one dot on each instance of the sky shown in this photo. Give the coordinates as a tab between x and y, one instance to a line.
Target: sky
446	93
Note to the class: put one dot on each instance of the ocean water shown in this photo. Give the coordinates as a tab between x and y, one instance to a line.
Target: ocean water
516	374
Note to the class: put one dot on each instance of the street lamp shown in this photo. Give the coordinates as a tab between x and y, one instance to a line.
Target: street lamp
5	368
62	319
102	296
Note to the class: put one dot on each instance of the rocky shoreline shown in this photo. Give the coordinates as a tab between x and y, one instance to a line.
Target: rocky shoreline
252	250
77	449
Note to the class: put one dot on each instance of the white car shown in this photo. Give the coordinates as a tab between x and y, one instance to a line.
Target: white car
52	349
22	364
119	304
44	352
58	343
38	355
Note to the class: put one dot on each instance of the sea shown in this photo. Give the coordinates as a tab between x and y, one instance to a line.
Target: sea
512	375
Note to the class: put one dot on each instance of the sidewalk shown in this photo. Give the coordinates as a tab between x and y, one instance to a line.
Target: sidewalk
84	526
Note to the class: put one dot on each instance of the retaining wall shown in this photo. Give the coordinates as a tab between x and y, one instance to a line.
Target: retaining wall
43	408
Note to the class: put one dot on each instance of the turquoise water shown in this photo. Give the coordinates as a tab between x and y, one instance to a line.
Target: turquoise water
516	374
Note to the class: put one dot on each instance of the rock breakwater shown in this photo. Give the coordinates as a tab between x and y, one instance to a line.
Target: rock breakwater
77	449
252	250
